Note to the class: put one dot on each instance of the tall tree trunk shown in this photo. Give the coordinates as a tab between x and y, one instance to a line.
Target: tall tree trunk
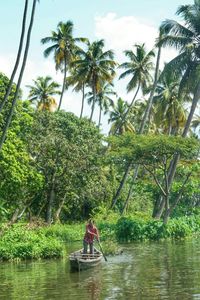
57	213
175	160
150	101
130	189
144	121
100	112
170	209
157	207
83	100
17	59
64	80
9	118
93	102
121	185
50	201
133	100
127	112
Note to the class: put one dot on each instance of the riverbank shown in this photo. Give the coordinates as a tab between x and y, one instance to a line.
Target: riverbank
25	241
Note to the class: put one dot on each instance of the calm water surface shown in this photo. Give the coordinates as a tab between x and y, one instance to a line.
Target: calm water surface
168	270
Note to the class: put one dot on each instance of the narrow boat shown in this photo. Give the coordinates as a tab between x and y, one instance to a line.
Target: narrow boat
80	261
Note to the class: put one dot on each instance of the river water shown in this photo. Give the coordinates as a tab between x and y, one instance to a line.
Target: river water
164	270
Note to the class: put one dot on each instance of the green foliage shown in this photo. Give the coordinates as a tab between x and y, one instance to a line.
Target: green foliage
145	150
130	229
65	233
22	243
69	153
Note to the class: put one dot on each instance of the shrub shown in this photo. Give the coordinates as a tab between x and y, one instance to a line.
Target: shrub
19	242
130	229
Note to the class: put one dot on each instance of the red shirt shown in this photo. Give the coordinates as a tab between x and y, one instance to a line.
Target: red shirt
89	235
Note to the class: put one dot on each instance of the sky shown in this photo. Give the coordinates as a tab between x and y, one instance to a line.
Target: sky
121	23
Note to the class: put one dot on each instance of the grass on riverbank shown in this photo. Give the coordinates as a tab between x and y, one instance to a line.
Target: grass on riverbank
24	242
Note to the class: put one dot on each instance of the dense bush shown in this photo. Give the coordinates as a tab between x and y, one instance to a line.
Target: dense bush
132	228
65	233
21	243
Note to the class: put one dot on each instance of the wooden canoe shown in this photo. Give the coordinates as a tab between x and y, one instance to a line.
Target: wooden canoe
80	261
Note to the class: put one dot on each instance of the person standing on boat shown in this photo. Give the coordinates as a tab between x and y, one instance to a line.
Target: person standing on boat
90	234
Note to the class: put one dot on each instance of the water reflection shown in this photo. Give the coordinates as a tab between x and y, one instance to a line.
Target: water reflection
168	270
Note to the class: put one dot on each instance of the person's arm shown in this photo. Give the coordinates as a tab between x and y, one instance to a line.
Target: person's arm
88	231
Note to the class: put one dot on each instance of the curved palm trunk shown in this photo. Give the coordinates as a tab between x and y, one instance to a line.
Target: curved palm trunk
83	100
93	102
150	101
132	102
121	185
174	163
127	112
18	57
145	119
100	112
130	189
9	118
63	86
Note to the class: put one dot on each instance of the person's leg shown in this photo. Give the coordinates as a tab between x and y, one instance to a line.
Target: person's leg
85	247
91	248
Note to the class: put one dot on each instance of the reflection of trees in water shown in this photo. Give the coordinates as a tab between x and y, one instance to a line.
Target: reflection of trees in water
164	270
93	286
88	282
180	264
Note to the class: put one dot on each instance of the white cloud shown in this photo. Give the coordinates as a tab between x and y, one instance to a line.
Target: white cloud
122	33
119	33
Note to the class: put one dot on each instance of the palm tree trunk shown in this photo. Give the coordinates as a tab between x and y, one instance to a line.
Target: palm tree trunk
145	119
150	101
18	57
93	102
121	185
9	118
175	160
64	80
83	100
100	112
130	106
130	189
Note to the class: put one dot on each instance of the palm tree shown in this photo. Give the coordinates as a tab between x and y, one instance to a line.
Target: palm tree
138	67
96	67
169	112
9	118
185	38
120	124
17	59
42	91
145	118
103	99
64	49
78	83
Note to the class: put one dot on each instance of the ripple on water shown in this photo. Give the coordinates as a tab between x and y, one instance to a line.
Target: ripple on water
168	270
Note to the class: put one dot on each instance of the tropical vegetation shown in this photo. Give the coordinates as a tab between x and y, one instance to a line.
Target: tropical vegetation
140	181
